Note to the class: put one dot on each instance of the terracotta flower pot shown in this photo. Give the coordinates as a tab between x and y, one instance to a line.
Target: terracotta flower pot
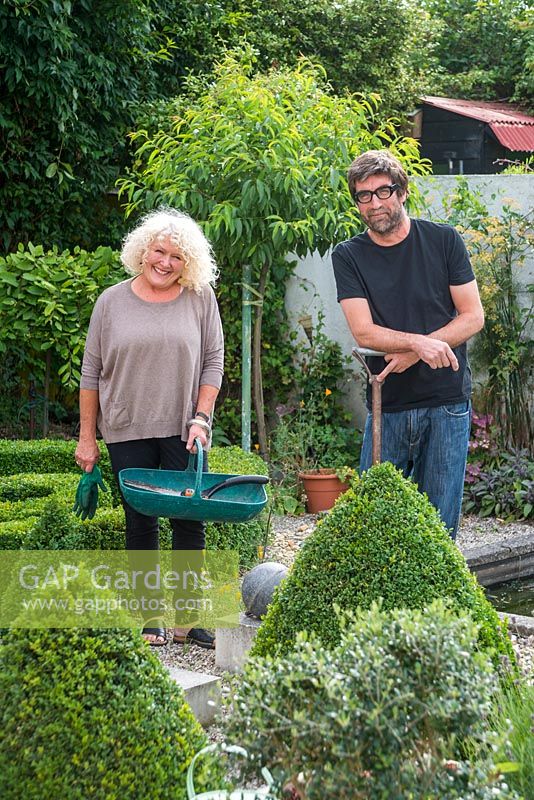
322	488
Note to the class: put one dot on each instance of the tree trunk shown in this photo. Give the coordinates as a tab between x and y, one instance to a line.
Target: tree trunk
256	363
46	393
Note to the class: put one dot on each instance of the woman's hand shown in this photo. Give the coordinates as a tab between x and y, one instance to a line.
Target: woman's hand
196	432
87	454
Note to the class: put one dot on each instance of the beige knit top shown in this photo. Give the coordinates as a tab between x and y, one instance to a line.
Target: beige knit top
147	361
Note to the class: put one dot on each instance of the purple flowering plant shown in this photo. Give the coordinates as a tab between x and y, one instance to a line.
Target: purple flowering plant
497	482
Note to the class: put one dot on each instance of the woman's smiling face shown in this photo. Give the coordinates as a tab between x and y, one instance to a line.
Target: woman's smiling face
163	264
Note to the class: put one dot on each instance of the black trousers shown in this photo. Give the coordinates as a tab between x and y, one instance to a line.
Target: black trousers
142	532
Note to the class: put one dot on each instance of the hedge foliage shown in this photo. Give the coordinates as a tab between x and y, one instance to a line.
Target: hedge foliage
382	539
91	714
384	715
38	482
45	455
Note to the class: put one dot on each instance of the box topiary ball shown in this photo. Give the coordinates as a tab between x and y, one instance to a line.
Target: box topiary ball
89	713
382	539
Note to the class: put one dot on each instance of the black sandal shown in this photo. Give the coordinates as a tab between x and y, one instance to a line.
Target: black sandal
161	633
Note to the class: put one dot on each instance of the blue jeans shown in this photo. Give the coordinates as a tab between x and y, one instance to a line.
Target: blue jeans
429	445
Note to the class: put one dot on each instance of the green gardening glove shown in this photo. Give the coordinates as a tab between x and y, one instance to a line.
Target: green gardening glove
86	499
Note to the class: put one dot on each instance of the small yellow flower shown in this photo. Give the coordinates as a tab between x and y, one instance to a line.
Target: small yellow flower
327	392
256	446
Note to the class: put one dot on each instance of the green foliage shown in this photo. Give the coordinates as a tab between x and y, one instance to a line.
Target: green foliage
73	76
498	247
484	49
382	539
382	715
276	348
233	460
91	714
525	167
370	46
44	456
23	494
314	430
513	717
46	300
254	156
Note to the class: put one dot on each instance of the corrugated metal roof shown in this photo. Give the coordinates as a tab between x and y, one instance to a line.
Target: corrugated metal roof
513	128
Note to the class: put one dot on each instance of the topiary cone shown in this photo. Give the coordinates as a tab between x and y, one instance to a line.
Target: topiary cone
382	539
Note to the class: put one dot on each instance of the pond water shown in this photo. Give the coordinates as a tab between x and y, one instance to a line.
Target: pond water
514	597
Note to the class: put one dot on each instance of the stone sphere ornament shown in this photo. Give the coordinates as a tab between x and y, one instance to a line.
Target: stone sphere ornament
259	584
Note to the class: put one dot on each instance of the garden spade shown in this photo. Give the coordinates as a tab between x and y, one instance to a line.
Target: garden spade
376	399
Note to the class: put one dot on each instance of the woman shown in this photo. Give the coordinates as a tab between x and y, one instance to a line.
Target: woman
152	369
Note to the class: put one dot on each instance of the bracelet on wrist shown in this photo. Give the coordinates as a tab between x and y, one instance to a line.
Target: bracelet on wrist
200	423
203	416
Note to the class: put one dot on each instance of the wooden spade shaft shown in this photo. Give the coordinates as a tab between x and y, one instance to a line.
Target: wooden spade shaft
376	407
376	400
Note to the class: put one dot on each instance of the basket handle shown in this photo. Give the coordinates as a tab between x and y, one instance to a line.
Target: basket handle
225	748
200	466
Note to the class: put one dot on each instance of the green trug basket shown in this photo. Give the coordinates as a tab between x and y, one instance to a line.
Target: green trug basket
241	499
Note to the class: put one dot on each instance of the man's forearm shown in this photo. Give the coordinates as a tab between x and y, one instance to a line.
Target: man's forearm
456	332
433	351
388	340
460	329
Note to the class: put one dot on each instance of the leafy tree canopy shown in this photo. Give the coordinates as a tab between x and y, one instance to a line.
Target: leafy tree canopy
485	49
73	74
380	46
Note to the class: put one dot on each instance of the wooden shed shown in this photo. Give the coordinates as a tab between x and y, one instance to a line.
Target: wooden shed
472	137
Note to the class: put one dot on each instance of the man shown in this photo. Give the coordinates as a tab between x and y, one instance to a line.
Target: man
407	288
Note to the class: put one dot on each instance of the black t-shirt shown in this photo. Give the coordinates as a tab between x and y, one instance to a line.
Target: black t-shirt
407	288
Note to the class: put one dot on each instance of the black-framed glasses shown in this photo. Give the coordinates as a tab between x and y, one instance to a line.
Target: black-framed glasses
383	192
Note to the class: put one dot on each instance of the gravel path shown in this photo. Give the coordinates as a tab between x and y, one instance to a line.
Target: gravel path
290	533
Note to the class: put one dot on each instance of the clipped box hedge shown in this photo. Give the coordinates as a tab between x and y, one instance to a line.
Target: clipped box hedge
383	539
91	714
48	455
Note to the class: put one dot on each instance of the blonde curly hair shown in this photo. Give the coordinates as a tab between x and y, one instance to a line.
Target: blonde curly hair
200	268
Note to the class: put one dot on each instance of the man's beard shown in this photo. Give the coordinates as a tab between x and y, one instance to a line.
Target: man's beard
388	222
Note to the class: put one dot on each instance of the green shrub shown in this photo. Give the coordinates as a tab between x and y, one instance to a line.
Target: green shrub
386	714
48	455
513	718
91	714
14	532
382	539
234	460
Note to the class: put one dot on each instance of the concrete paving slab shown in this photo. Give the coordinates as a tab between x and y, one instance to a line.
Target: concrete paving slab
233	644
202	692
